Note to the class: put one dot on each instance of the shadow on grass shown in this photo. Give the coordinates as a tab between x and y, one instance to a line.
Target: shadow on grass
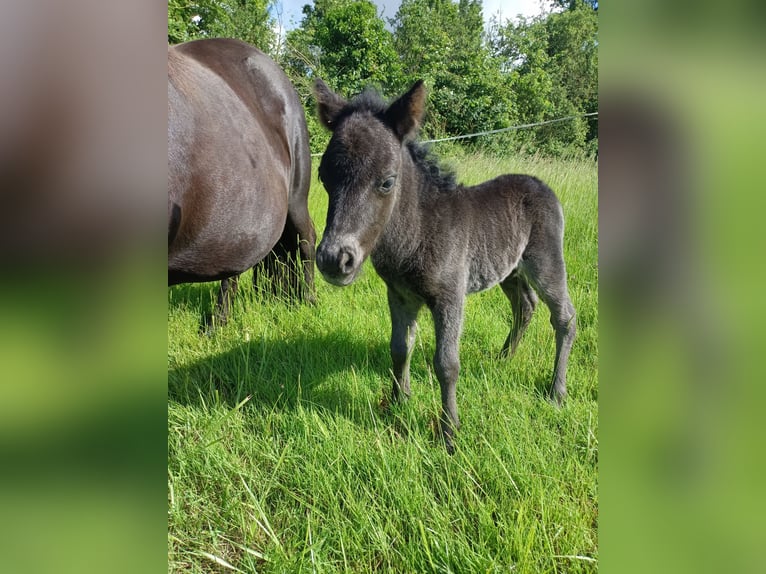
335	372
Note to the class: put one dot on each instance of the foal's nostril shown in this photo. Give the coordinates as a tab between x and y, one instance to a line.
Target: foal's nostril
338	262
346	262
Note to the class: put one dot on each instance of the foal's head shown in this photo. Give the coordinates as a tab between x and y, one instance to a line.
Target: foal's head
361	171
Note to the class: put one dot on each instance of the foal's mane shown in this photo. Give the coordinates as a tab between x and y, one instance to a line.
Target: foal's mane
436	174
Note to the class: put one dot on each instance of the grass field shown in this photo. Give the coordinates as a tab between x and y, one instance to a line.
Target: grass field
281	459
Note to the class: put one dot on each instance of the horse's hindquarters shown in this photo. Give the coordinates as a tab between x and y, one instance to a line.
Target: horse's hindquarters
229	163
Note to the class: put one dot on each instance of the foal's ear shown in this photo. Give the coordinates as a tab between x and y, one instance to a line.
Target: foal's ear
406	113
329	104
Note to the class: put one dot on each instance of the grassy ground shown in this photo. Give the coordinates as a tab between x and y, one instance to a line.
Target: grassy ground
281	459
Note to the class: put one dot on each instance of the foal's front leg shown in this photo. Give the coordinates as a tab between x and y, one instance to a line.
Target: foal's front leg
448	323
404	314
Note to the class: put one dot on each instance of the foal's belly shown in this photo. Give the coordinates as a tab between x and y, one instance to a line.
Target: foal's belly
484	275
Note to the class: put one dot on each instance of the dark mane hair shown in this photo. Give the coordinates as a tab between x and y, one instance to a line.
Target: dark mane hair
436	173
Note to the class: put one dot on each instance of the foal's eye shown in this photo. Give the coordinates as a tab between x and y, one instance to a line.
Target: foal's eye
386	187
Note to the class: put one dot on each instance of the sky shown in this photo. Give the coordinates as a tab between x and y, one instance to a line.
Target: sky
291	9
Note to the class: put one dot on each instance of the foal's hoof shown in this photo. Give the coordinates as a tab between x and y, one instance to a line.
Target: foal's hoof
556	399
443	435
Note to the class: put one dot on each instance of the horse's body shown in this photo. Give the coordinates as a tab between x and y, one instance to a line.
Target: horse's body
239	164
433	241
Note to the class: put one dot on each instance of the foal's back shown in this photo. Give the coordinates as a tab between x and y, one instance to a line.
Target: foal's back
492	225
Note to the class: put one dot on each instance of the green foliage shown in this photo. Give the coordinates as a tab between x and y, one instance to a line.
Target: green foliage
345	43
442	42
518	72
247	20
553	64
574	4
356	49
573	48
192	19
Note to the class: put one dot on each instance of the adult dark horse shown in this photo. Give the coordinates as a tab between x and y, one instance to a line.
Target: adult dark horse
433	241
239	168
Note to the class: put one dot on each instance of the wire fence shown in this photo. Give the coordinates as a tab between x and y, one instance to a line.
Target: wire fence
508	129
501	130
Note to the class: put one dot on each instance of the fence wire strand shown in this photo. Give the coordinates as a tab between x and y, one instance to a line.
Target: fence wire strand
508	129
518	127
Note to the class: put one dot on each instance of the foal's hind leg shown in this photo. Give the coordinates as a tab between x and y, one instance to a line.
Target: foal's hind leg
547	273
523	302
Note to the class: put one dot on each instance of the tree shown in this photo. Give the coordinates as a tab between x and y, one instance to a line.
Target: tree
247	20
573	51
442	42
574	4
553	62
192	19
523	71
345	43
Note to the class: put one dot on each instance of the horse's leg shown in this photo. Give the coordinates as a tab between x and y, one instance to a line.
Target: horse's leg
290	264
272	268
226	292
448	323
404	314
523	302
548	275
298	216
278	266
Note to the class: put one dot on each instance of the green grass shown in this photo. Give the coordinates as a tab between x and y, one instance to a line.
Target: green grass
281	458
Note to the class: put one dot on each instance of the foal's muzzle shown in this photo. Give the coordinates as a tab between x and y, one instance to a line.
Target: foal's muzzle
338	261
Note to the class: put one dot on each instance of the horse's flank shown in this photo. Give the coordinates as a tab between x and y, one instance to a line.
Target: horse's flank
238	164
